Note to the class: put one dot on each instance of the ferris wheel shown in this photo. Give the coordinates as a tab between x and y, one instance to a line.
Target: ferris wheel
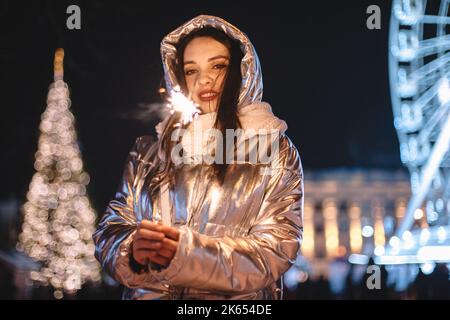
419	74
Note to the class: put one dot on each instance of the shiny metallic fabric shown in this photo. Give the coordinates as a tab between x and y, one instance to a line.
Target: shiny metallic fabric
236	239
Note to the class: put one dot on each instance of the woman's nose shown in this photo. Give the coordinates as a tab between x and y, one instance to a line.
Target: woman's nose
205	79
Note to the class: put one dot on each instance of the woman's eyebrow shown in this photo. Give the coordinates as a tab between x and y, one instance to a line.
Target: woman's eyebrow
210	59
218	57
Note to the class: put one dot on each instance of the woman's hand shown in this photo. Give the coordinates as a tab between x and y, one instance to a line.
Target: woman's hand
155	243
169	245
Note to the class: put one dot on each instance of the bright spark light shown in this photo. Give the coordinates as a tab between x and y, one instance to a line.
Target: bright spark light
180	103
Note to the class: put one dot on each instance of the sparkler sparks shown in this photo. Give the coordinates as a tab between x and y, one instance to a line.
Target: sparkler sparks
180	103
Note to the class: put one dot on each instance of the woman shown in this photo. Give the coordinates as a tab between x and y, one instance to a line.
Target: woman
197	230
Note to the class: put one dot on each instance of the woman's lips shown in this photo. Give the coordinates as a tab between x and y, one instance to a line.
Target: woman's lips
207	95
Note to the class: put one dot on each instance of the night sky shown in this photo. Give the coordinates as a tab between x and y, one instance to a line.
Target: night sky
324	73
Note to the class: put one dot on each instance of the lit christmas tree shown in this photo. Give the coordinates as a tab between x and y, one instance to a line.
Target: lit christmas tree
58	219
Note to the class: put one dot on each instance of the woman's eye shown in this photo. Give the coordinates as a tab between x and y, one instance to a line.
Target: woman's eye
189	72
220	66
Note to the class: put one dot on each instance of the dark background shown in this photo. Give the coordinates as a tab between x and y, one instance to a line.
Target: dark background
324	73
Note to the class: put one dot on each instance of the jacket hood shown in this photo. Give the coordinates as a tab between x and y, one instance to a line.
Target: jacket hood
252	84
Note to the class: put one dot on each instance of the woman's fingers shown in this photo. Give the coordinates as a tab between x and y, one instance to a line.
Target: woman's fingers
166	253
149	234
141	257
141	244
144	256
166	248
155	242
156	258
170	244
170	232
150	225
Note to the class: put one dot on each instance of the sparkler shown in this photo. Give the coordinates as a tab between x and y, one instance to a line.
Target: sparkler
180	103
189	110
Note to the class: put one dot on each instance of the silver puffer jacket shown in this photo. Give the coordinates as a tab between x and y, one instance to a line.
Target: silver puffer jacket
236	239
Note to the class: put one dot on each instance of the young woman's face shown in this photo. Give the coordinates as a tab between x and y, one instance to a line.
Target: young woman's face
205	65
